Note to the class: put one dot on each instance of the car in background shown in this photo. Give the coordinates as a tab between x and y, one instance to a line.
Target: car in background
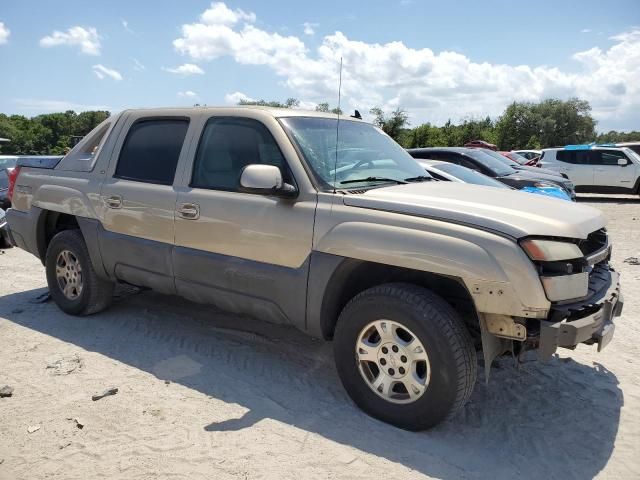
531	155
445	171
4	231
481	161
7	163
481	144
596	168
517	166
635	146
519	159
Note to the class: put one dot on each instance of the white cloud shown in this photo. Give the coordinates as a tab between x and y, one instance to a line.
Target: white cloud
137	65
40	106
4	33
309	28
433	86
102	72
219	14
235	97
187	94
125	25
585	30
186	69
86	38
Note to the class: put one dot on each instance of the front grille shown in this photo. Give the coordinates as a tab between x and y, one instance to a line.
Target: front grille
594	242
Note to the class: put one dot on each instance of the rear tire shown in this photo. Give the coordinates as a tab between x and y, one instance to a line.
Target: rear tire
411	319
73	283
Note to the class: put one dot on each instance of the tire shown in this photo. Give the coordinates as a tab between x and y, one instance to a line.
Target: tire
451	367
95	293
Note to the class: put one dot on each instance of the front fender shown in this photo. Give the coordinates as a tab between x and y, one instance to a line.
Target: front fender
497	274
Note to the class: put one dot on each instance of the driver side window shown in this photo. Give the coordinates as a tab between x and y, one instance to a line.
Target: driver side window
229	144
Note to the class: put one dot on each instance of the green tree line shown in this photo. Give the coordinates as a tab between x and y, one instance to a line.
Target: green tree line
544	124
48	134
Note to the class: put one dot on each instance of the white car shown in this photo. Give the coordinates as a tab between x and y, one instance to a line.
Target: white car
528	154
595	168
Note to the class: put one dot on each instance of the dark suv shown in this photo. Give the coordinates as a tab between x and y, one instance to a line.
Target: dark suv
480	161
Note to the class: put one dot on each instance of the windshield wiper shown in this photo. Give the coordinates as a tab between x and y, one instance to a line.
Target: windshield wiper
420	178
373	179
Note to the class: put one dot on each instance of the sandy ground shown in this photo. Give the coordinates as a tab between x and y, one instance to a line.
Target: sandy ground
207	395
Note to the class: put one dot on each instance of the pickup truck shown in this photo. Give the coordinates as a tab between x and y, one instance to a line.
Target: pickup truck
246	209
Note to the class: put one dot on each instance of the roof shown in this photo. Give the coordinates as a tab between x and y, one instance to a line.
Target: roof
238	109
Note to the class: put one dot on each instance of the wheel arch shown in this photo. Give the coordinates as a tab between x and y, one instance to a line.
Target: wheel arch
51	222
336	280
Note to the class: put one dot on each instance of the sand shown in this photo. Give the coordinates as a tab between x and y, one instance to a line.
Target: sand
203	394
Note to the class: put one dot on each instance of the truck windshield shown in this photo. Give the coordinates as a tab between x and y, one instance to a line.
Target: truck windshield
365	155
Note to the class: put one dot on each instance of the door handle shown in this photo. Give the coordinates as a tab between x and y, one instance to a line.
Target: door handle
189	211
114	201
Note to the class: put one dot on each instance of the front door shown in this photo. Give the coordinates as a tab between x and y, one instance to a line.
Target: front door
246	253
607	171
138	199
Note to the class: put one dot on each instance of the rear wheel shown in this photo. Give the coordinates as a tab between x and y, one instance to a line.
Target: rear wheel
73	282
404	356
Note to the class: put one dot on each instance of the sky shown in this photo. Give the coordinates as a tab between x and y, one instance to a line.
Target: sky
436	60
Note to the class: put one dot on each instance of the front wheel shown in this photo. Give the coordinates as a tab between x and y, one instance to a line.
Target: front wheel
73	282
404	356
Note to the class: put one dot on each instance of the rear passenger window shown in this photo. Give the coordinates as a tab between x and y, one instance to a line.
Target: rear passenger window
151	150
227	146
578	157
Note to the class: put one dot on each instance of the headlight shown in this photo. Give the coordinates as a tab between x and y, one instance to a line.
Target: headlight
550	250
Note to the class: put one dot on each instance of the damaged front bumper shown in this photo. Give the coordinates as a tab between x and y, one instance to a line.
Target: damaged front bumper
589	321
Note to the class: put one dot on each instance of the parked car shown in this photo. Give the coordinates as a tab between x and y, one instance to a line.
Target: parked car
596	169
481	144
531	155
517	166
7	162
635	146
498	168
519	159
5	241
244	208
452	172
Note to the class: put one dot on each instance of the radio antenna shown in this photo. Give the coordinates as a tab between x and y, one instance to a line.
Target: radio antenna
335	166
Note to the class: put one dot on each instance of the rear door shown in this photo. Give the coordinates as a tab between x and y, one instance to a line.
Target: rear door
575	163
608	173
138	200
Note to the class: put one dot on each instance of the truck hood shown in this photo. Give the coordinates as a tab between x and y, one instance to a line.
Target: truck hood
510	212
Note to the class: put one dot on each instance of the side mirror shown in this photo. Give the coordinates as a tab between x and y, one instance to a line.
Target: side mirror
623	162
265	180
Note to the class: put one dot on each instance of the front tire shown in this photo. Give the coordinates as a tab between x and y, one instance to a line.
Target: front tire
404	356
73	282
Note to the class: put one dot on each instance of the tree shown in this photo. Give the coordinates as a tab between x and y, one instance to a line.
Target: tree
46	134
549	123
289	103
324	107
392	124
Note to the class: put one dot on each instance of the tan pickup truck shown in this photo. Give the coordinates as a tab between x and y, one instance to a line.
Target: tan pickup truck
258	212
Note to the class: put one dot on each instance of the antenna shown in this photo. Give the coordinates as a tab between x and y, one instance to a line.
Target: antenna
335	166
